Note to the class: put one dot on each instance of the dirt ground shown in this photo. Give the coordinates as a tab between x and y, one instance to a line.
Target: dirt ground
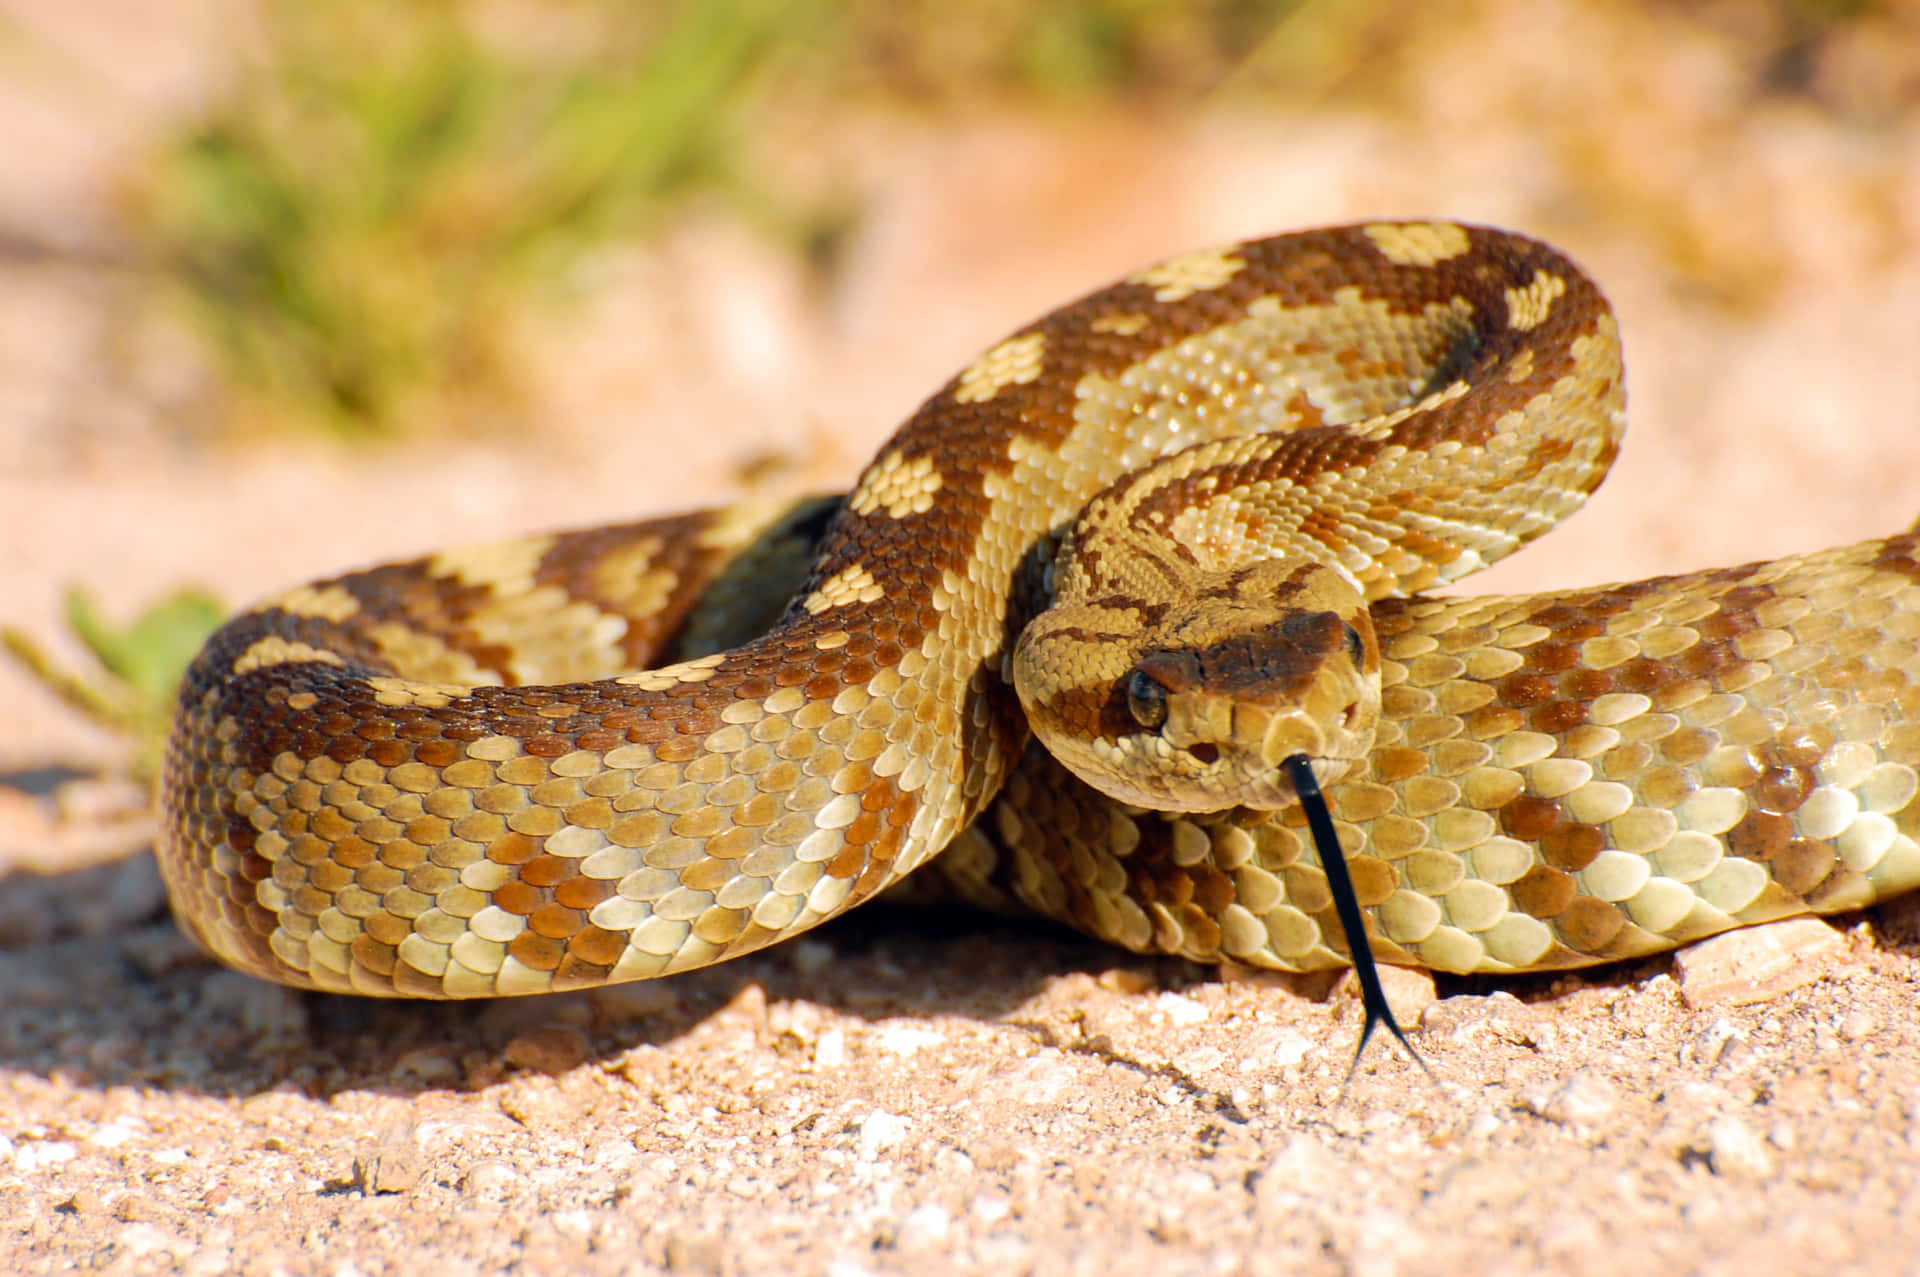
934	1093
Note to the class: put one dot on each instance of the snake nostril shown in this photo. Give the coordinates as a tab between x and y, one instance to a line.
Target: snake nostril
1204	753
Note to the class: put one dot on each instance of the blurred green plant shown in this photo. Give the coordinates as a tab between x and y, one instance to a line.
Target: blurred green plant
140	665
357	219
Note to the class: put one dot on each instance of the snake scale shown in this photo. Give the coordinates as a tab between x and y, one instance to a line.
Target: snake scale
612	754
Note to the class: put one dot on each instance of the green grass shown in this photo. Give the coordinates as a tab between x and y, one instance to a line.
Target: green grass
355	222
137	665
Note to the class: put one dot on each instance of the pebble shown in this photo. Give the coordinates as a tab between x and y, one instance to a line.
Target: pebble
831	1051
1856	1024
1461	1018
534	1101
112	1135
491	1178
613	1154
1734	1151
1581	1100
1756	964
1719	1042
429	1066
84	1201
1180	1009
135	1209
34	1154
551	1049
991	1206
1410	991
880	1130
1125	980
1267	1048
392	1168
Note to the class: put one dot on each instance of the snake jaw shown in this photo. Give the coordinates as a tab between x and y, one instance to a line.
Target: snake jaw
1240	743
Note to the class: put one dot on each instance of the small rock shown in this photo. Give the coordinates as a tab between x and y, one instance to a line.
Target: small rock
83	1202
429	1066
1733	1151
1180	1009
831	1051
394	1167
1582	1100
536	1102
135	1209
1856	1024
1718	1043
33	1155
1125	980
880	1130
1756	964
551	1049
1458	1019
612	1154
1410	991
490	1178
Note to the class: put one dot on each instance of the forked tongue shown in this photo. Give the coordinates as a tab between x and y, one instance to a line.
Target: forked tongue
1373	998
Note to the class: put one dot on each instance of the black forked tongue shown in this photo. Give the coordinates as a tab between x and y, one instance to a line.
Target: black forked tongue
1373	998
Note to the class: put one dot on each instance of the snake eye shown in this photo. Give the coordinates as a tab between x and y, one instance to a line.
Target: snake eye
1356	646
1146	700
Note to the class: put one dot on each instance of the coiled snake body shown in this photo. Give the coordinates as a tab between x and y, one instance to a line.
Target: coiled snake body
455	776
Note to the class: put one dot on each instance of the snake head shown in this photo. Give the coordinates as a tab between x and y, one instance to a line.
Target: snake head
1199	704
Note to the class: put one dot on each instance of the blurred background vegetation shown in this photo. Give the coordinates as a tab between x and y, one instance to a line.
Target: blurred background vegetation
386	181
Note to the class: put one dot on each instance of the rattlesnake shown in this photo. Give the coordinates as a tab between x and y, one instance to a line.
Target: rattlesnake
455	776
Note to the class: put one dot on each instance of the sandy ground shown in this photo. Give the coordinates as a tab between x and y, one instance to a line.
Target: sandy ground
905	1092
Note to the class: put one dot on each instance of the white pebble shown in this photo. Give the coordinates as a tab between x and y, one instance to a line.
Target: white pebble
1734	1151
1180	1009
880	1130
